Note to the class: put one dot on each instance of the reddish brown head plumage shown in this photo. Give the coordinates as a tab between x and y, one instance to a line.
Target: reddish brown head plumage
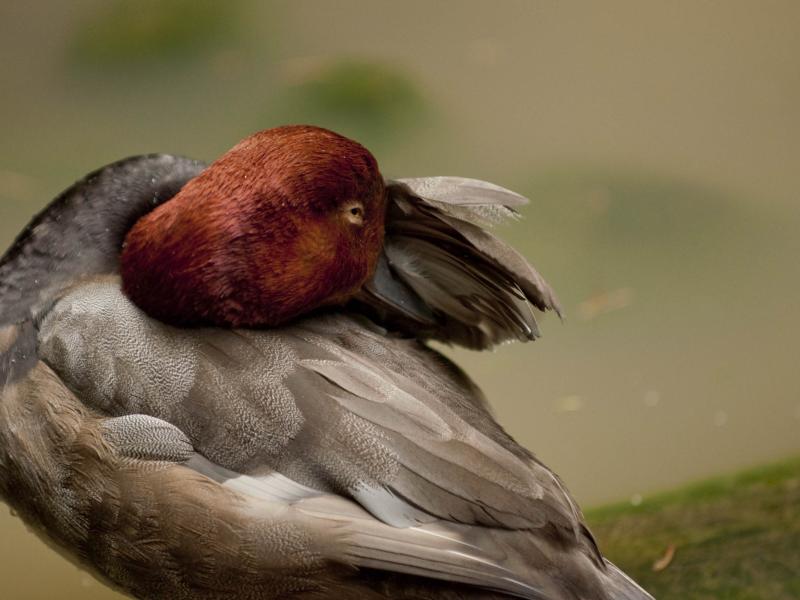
288	220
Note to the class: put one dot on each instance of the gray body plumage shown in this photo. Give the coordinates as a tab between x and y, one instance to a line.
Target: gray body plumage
334	457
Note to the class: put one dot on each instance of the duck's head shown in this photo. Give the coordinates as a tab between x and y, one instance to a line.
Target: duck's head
289	220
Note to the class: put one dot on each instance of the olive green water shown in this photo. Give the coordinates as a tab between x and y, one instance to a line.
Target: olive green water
659	143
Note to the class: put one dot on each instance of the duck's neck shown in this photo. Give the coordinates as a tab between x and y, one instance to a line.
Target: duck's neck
80	233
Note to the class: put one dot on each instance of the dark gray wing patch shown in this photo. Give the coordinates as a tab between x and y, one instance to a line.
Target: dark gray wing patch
80	233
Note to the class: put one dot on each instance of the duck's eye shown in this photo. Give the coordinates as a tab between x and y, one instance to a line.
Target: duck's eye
354	212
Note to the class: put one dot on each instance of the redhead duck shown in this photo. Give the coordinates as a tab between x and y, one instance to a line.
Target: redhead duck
215	384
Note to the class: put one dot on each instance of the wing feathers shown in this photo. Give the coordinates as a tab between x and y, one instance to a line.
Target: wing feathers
444	276
272	487
450	469
435	550
459	191
511	262
330	405
430	551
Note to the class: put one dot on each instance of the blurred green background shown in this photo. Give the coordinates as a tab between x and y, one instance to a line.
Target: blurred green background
659	144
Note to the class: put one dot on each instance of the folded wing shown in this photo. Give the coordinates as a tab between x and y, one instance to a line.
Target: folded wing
333	405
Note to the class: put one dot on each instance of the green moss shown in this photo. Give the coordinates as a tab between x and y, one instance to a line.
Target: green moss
736	537
144	32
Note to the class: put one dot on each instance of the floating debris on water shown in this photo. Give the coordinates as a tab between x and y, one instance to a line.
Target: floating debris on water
665	560
605	302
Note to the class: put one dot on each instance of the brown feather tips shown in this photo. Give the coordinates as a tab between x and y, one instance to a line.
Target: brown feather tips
289	220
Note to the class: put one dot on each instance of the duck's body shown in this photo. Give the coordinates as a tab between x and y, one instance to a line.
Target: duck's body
328	457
